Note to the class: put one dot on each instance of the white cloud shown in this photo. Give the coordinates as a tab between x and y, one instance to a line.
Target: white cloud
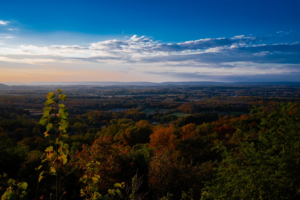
3	22
284	32
12	29
28	61
238	55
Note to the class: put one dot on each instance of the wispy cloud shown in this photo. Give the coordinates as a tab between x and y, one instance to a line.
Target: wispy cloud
12	29
270	77
142	49
284	32
238	56
146	50
3	22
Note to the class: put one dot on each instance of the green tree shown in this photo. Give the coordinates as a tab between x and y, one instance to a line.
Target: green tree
266	167
55	119
14	190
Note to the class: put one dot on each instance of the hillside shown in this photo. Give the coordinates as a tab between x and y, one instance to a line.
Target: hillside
2	86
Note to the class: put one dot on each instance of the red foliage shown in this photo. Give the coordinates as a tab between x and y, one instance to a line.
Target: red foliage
105	152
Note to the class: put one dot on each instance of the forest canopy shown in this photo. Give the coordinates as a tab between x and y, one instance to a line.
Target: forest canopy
130	154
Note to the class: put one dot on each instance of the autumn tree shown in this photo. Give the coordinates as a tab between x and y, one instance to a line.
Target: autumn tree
163	137
104	157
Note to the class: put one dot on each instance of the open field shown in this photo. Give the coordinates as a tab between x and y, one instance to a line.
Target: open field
179	114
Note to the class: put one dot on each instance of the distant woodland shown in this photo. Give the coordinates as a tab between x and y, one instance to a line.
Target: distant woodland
150	142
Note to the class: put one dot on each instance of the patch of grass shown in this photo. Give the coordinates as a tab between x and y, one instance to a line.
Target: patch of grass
179	114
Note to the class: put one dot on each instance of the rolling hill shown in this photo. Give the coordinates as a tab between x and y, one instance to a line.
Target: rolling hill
2	86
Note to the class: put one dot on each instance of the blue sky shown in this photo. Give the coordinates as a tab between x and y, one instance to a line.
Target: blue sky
149	40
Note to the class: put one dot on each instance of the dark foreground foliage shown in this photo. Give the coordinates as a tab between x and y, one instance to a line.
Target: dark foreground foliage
265	166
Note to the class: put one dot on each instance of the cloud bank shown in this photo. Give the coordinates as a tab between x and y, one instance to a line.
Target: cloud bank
221	59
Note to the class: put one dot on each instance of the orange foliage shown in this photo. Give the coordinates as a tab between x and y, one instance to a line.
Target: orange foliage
143	124
244	117
188	131
163	137
186	108
105	152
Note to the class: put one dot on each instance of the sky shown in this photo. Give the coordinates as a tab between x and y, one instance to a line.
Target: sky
151	41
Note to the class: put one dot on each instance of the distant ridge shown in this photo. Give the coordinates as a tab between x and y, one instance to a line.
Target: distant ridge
2	86
267	83
115	83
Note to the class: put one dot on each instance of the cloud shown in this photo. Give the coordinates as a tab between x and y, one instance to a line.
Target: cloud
12	29
271	77
238	56
136	49
147	45
3	22
284	32
277	53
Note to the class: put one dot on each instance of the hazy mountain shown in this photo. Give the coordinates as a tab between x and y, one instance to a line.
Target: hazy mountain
15	83
267	83
114	83
81	83
2	86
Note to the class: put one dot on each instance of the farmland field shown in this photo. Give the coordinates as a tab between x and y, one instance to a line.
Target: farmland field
179	114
